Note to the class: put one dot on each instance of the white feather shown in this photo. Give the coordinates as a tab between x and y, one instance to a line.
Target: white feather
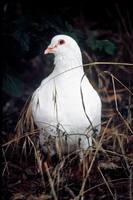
58	101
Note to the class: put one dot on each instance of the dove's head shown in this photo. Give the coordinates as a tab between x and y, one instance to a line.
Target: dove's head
63	45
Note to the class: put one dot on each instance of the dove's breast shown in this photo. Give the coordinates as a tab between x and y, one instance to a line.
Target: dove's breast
61	102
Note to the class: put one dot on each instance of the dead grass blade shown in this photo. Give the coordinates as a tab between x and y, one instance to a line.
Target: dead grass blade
122	180
26	121
116	105
50	182
91	164
39	162
107	184
6	163
17	139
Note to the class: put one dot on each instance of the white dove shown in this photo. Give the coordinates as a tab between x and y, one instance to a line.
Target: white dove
65	105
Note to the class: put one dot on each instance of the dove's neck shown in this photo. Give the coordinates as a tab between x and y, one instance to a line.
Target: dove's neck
68	63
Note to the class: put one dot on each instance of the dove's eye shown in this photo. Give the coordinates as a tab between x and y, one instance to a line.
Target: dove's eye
61	42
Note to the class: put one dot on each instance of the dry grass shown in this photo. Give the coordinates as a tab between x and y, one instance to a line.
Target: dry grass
106	167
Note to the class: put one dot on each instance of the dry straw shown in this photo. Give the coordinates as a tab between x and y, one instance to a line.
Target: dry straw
25	129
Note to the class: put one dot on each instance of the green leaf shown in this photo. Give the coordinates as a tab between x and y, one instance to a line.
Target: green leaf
12	85
102	46
109	47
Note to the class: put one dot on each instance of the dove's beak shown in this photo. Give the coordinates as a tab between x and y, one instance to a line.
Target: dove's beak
49	49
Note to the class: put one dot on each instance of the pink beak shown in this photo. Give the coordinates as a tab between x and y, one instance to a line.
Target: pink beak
49	49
